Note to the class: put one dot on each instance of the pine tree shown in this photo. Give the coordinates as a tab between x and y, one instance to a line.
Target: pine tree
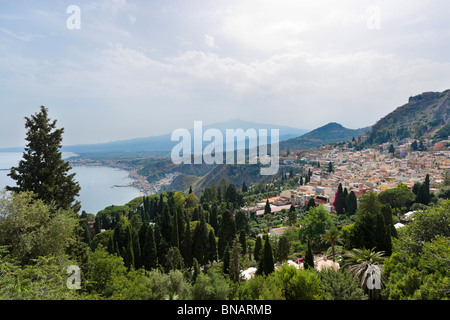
43	170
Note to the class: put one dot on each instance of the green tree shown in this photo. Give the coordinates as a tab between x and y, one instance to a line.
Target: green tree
227	232
339	200
210	286
391	149
397	197
212	247
340	285
283	248
299	284
330	167
311	204
352	204
149	255
235	261
30	228
258	247
267	209
266	264
314	223
292	215
309	258
43	170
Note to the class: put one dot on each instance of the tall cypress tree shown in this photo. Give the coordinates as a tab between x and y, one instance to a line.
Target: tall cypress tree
267	256
258	246
309	258
186	251
227	232
212	247
339	200
175	235
149	255
43	170
351	204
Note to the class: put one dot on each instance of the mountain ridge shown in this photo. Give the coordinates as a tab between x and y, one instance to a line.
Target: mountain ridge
332	132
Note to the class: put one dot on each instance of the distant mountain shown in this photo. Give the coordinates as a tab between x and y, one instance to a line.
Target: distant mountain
329	133
163	144
425	115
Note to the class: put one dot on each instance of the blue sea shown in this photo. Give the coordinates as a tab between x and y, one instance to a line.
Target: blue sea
97	183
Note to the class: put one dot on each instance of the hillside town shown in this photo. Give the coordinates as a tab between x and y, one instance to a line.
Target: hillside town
359	171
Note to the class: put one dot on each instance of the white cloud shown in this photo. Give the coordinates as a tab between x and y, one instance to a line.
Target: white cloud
209	41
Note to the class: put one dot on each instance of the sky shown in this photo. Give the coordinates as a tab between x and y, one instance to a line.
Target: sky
119	69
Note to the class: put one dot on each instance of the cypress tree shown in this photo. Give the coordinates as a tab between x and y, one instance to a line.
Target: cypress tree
212	247
186	251
213	218
268	266
258	246
243	242
43	170
283	248
166	224
339	200
227	232
175	237
200	240
226	260
267	209
309	258
149	255
311	204
351	203
235	261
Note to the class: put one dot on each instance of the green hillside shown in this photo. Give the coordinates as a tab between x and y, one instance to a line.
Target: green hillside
329	133
424	116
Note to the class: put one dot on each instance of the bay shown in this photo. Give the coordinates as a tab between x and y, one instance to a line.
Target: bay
100	186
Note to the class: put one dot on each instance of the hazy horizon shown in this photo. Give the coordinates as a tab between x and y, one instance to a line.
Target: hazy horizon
124	69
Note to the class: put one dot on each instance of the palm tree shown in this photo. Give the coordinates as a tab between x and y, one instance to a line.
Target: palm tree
332	236
367	265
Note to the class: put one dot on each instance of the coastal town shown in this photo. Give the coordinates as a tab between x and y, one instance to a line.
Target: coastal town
372	169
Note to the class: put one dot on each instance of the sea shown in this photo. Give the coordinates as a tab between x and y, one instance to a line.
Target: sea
100	186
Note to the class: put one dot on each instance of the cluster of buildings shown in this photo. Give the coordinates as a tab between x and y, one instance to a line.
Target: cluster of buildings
360	171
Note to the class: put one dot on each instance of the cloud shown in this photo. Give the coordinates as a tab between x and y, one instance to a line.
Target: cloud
209	41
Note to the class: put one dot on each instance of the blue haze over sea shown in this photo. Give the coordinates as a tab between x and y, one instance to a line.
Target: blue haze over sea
97	183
